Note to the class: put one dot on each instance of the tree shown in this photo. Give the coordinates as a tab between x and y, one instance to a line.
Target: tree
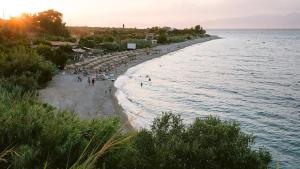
162	38
199	30
58	56
50	22
197	27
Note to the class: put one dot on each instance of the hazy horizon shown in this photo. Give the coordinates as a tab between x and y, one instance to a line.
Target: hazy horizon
211	14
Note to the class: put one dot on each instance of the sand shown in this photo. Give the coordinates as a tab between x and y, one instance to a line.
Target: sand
96	101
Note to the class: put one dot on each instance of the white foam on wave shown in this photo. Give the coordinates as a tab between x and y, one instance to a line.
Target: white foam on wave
137	116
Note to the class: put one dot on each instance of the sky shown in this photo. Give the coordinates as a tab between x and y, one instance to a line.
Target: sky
174	13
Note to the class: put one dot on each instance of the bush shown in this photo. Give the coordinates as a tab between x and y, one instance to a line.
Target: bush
23	66
141	43
87	42
162	38
207	143
58	56
42	134
175	39
110	46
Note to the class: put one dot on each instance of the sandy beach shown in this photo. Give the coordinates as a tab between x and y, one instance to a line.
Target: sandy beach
98	101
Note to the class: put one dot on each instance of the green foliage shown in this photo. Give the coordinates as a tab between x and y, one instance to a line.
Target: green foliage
23	66
175	39
60	38
47	25
88	42
50	22
42	134
199	30
57	56
110	46
178	35
162	38
207	143
110	38
141	43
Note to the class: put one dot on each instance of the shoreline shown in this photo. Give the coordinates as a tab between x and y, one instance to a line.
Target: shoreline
95	101
118	107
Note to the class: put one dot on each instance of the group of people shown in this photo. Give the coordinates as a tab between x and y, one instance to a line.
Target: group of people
91	80
149	79
79	76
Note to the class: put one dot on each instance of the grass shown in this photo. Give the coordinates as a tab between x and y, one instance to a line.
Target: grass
6	152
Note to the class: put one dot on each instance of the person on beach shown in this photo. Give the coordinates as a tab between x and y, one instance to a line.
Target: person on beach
79	78
89	80
93	81
141	84
109	90
149	79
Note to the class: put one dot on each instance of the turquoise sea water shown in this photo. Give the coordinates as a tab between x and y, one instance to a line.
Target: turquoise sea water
248	76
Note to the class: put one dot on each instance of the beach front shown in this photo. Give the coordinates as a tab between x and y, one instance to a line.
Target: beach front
98	101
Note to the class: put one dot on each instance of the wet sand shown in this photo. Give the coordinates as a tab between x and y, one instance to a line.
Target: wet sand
89	102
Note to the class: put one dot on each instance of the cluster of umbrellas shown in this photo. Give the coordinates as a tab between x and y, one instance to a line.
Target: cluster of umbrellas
108	60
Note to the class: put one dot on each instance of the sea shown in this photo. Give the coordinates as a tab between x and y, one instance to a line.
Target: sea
248	76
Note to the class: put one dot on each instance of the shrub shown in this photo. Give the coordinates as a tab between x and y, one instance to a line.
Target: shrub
87	42
162	38
23	66
110	46
207	143
175	39
57	56
141	43
42	134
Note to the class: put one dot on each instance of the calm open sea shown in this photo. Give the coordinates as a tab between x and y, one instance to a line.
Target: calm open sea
249	76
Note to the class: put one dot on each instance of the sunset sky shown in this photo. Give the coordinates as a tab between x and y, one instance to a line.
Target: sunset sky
176	13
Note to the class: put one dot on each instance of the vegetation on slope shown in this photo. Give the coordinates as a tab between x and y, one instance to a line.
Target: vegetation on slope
44	136
206	143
